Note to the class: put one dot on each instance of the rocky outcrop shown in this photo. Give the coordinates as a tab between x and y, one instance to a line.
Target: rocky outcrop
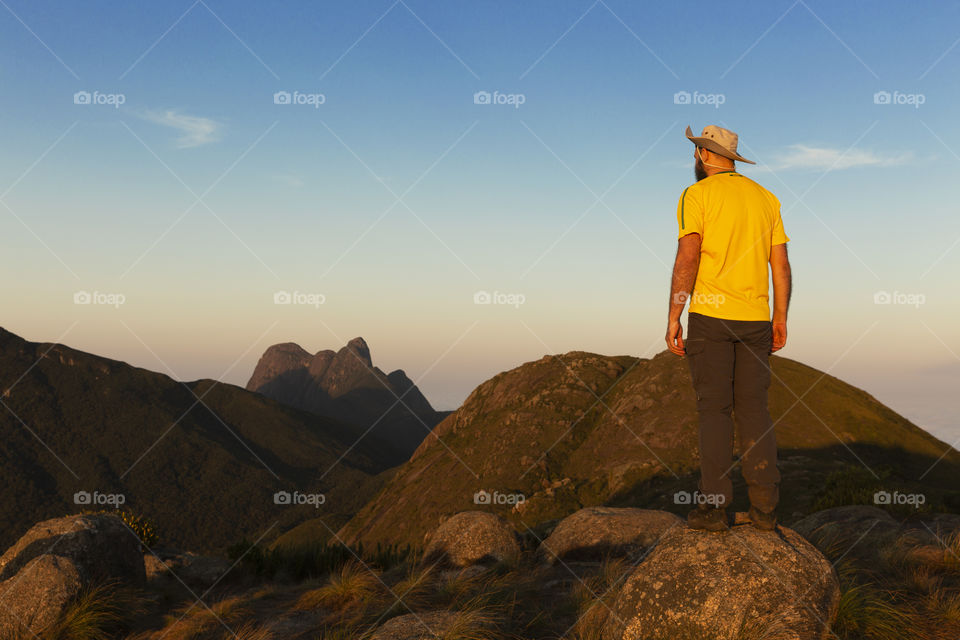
345	385
723	585
56	559
594	533
472	537
578	429
183	566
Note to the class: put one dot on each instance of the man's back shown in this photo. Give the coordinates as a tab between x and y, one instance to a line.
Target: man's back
738	221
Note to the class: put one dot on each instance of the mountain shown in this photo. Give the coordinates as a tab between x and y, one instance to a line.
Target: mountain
202	459
345	385
582	429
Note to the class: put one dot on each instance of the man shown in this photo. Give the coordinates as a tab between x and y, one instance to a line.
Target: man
730	230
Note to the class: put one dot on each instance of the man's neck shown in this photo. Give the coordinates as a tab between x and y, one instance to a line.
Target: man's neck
711	171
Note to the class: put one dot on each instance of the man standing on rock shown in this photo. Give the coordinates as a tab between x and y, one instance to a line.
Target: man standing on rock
730	230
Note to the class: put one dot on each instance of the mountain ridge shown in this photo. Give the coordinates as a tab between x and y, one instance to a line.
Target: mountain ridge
202	458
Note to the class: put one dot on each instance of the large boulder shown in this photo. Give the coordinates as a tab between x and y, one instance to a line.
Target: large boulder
41	590
593	533
472	537
53	561
723	585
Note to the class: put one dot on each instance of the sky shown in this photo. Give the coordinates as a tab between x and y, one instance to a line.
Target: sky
183	184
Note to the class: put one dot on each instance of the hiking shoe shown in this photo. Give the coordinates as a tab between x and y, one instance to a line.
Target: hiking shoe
708	519
761	520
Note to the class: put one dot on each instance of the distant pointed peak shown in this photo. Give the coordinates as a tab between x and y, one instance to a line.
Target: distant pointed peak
359	346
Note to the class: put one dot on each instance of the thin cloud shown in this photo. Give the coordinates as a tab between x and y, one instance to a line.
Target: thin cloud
802	156
195	131
289	180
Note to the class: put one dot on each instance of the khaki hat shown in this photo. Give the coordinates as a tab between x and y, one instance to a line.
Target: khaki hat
719	140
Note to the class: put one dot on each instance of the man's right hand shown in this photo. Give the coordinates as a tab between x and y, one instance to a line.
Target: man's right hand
779	336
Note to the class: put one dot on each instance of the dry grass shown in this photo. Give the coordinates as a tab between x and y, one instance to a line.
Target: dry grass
353	585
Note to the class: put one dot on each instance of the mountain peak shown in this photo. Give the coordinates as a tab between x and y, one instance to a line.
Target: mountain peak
344	385
359	346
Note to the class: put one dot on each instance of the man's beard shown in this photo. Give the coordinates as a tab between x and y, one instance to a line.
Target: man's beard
698	171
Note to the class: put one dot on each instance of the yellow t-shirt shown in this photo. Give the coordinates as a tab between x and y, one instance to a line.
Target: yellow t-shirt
738	221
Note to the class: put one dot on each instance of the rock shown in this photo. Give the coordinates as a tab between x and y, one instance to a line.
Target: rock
721	585
100	545
594	532
47	567
195	570
472	537
851	519
41	590
431	625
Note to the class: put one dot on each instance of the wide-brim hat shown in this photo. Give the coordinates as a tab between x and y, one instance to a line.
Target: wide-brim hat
718	140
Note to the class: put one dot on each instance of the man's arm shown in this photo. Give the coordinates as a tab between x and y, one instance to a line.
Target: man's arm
685	269
782	287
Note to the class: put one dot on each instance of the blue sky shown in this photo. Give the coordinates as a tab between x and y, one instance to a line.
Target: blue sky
183	197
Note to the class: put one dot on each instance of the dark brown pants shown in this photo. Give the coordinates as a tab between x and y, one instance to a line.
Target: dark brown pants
730	367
